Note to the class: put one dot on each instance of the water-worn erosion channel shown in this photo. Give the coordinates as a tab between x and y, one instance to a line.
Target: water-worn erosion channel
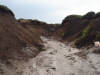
58	59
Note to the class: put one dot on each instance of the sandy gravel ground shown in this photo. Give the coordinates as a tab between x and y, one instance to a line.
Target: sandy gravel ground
57	59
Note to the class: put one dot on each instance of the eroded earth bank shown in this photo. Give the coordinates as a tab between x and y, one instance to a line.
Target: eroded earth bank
32	47
58	59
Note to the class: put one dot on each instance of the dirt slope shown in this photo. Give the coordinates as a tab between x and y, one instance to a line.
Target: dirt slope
83	30
14	36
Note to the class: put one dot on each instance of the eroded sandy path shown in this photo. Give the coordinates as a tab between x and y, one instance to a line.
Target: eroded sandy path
68	63
58	59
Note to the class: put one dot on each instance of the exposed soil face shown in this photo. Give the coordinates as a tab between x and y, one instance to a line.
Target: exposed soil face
84	30
18	34
14	36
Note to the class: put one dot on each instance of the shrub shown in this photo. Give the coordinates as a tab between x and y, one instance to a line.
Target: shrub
89	15
76	40
97	14
6	9
42	49
71	17
74	16
79	42
85	31
98	35
62	34
83	39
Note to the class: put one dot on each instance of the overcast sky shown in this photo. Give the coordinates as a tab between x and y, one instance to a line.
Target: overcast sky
50	11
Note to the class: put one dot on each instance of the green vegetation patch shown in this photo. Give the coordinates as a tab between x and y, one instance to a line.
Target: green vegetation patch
81	40
98	35
42	49
62	34
85	31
